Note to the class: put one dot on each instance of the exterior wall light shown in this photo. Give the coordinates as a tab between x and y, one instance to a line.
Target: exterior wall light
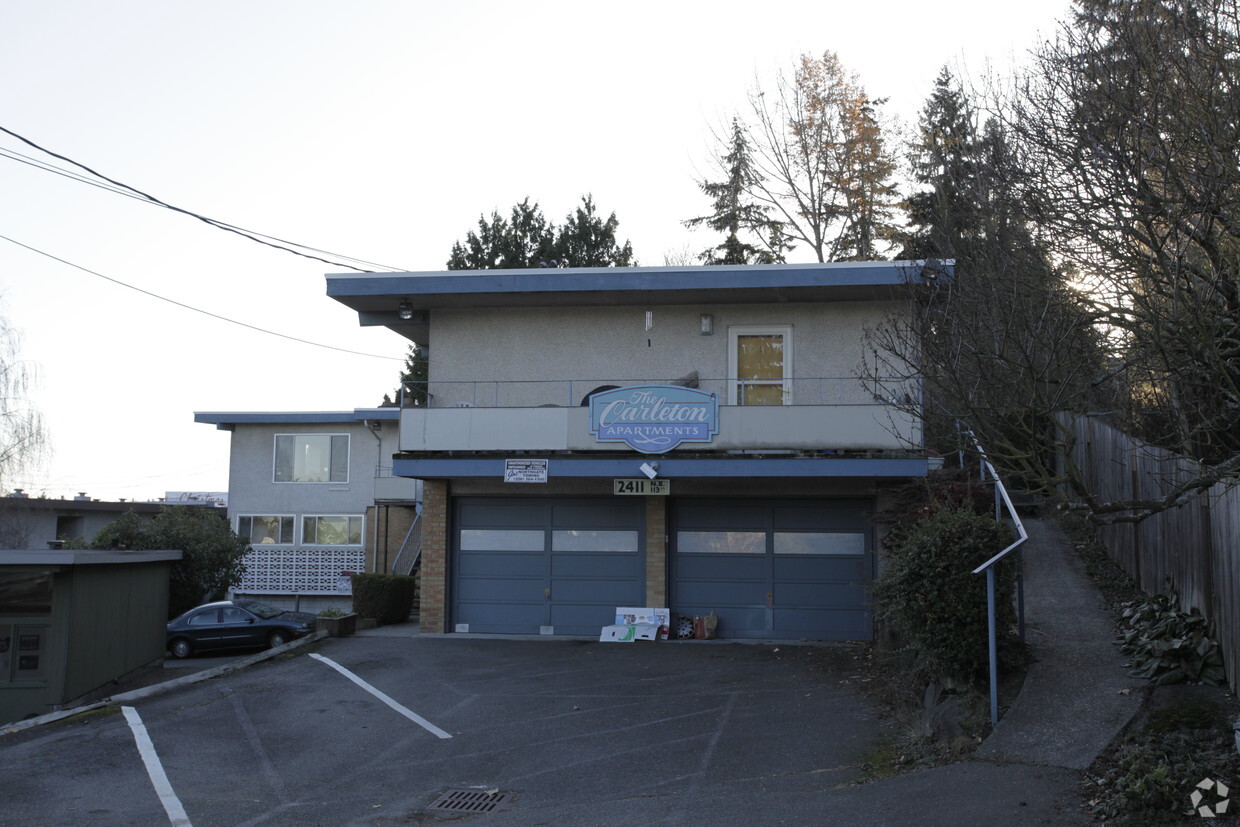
405	311
708	324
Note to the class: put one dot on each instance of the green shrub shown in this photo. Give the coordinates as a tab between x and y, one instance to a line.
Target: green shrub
388	598
932	602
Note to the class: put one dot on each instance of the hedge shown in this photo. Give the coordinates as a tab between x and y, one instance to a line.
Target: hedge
388	598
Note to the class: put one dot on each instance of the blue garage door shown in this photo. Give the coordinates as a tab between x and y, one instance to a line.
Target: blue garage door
780	569
531	566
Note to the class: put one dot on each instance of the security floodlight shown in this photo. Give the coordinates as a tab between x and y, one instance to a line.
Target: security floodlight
650	470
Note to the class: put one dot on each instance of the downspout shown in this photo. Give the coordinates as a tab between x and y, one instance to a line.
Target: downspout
370	426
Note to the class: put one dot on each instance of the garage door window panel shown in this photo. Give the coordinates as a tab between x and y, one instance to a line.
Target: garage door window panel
824	543
594	540
721	542
502	539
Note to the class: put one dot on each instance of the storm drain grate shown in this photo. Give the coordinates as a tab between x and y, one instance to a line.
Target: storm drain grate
470	801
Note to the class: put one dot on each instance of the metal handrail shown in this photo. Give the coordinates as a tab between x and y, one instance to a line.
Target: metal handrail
1001	498
404	546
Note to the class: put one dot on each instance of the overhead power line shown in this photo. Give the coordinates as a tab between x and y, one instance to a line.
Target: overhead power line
195	309
124	189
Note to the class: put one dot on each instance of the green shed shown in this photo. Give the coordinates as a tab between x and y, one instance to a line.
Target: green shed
72	621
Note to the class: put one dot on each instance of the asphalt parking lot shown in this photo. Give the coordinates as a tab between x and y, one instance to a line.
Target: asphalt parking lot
375	729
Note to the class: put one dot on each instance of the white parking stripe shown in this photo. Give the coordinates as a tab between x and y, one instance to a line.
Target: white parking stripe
159	779
413	716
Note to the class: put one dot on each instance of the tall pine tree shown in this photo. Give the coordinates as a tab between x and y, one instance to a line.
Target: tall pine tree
736	213
943	161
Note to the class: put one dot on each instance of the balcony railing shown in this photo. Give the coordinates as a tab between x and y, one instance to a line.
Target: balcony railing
519	393
808	414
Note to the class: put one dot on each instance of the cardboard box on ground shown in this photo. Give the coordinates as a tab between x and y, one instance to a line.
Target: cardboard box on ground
633	624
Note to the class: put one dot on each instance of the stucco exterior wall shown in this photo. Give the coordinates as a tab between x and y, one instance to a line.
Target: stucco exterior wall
251	485
611	345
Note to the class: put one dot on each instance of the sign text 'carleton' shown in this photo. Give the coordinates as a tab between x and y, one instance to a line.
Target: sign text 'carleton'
654	419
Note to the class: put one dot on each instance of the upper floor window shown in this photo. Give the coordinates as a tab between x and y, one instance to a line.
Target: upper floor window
335	530
760	364
263	529
312	458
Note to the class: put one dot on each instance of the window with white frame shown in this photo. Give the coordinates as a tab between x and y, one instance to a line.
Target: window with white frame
332	530
266	529
760	365
312	458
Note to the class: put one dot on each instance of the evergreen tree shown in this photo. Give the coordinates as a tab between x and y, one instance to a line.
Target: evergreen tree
943	161
735	211
528	239
524	241
212	554
412	388
866	167
588	240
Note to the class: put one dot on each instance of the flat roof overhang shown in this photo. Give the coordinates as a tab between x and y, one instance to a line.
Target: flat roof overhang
226	420
670	468
377	296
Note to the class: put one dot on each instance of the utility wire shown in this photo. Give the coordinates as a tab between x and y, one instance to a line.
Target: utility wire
196	309
277	243
21	158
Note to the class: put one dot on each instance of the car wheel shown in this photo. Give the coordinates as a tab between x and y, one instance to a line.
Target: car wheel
277	639
181	648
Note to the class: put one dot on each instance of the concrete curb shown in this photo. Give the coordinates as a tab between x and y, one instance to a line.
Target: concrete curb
165	686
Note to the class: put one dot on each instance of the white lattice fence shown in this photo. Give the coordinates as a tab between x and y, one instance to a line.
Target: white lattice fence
296	571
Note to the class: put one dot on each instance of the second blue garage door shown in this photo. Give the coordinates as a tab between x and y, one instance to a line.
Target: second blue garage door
775	569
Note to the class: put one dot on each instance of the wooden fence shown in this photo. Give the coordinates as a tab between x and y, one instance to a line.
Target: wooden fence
1195	546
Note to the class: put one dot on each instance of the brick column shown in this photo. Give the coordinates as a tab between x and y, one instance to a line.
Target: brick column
434	609
656	552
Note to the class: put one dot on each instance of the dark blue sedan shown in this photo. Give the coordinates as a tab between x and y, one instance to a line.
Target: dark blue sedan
235	624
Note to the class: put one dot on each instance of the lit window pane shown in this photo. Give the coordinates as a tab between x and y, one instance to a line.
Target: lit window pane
798	542
761	394
594	541
332	531
721	542
265	530
312	458
760	357
502	539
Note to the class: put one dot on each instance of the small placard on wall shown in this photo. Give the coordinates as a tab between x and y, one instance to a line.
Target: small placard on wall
525	470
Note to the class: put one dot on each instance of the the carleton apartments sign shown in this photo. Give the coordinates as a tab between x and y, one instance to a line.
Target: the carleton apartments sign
654	419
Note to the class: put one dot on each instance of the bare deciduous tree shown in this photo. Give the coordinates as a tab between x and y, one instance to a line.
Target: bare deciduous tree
23	435
821	162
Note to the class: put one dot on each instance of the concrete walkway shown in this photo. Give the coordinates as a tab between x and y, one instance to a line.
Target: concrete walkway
1077	696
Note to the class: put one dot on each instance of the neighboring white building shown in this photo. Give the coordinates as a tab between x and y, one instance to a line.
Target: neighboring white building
314	493
687	437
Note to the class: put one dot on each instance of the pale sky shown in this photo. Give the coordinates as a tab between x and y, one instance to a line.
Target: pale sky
375	129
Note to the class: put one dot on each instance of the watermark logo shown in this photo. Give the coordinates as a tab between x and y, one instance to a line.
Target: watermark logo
1210	798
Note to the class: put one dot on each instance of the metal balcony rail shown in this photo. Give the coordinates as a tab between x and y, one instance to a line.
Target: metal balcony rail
533	393
1002	503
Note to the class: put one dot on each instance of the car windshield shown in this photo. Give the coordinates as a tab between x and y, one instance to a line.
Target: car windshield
261	609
